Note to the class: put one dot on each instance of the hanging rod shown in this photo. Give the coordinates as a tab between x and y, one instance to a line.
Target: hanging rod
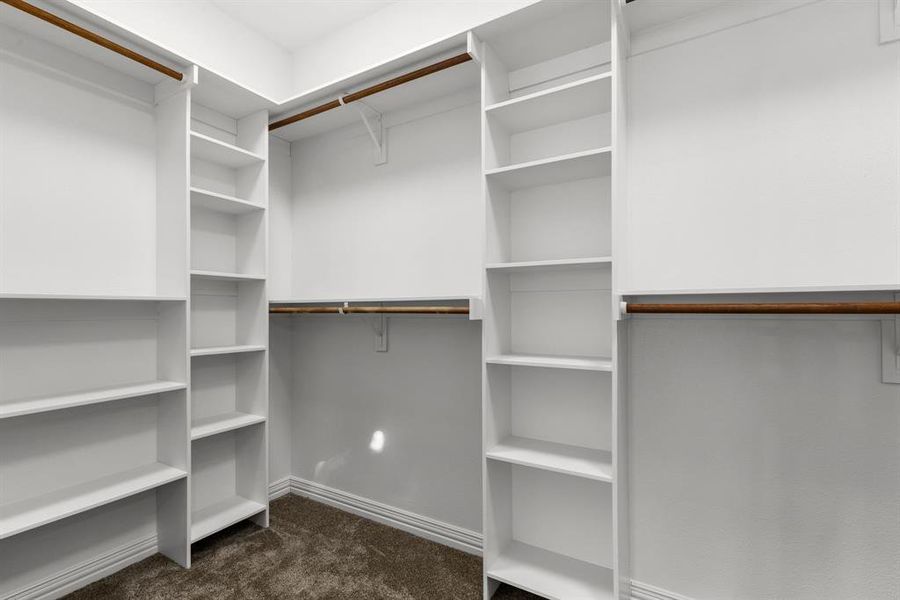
770	308
93	37
370	310
380	87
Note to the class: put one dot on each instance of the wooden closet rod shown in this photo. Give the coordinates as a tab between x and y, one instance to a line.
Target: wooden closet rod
769	308
93	37
370	310
385	85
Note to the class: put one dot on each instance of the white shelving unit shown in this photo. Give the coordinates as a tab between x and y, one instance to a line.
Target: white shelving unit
228	320
94	409
552	458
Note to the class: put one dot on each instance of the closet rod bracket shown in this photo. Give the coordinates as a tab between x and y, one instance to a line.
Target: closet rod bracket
890	348
374	124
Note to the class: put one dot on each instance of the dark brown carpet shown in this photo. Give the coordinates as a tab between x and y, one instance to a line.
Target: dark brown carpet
310	552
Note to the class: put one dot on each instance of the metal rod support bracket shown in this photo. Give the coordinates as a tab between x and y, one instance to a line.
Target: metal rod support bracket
374	123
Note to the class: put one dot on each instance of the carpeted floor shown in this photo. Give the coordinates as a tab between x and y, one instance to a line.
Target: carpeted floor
310	552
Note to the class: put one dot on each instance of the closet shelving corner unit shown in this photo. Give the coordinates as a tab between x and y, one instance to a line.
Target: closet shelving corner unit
228	316
93	303
553	476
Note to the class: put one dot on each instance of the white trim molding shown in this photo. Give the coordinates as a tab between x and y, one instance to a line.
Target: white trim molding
425	527
642	591
279	488
82	574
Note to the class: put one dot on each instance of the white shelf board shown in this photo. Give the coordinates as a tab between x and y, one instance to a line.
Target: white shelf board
238	349
31	513
557	169
357	300
580	363
44	404
219	152
540	265
90	297
208	426
209	200
222	276
551	575
559	458
576	100
220	515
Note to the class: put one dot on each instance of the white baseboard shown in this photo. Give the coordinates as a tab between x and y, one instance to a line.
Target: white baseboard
87	572
642	591
431	529
279	488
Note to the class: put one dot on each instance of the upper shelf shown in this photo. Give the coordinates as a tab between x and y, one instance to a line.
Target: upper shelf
567	102
557	169
547	30
219	152
210	200
455	85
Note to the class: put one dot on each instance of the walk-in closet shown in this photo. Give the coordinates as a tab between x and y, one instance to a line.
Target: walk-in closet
450	300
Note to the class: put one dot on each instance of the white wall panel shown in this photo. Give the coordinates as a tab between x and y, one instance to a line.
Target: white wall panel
408	228
766	155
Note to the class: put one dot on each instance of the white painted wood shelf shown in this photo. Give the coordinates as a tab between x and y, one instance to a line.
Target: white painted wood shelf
216	424
557	169
90	297
219	152
220	515
32	406
567	102
581	363
559	458
210	200
31	513
236	349
540	265
551	575
223	276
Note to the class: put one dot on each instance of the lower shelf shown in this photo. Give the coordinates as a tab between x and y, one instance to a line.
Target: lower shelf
554	576
221	423
581	363
18	517
220	515
38	405
560	458
239	349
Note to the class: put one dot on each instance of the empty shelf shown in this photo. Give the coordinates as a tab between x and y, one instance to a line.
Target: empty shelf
576	100
560	458
558	169
223	276
91	297
220	515
208	426
221	202
551	575
540	265
582	363
28	514
38	405
239	349
222	153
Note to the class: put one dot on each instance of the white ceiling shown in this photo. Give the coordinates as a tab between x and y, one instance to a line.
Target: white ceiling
293	24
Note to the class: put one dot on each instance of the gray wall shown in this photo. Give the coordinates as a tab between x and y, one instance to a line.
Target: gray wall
765	459
424	395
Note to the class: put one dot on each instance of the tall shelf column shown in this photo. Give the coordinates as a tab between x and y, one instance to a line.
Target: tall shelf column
228	320
552	413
